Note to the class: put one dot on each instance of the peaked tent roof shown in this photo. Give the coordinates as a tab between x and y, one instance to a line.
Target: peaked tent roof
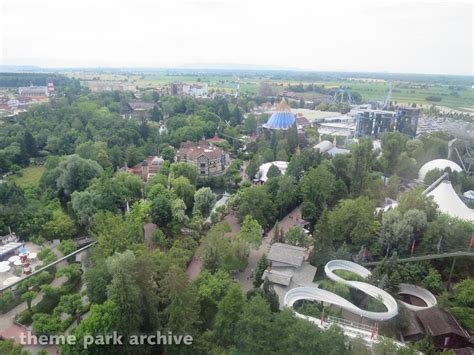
449	202
282	118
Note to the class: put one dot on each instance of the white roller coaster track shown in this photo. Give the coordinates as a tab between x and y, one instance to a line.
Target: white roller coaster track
317	294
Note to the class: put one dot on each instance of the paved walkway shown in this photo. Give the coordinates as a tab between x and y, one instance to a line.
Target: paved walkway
195	266
246	282
6	319
148	229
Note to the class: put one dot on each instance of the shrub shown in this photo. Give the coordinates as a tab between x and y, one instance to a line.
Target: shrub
25	317
433	98
43	253
67	246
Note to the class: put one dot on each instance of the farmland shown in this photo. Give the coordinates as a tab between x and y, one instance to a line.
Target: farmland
452	93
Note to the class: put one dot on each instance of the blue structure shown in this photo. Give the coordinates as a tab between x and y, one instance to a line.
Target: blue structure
282	118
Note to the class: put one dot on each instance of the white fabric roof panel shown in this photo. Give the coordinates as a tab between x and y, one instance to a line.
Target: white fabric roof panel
440	164
263	170
449	202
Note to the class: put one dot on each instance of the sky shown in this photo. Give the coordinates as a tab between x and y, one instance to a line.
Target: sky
404	36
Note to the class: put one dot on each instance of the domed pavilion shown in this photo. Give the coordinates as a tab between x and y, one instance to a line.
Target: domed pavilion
282	118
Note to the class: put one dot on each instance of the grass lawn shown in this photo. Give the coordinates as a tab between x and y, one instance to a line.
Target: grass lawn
29	176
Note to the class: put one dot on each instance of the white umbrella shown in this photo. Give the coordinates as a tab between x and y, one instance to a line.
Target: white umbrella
17	263
13	258
11	280
4	267
32	256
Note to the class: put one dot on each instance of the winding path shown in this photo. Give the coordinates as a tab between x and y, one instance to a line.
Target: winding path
317	294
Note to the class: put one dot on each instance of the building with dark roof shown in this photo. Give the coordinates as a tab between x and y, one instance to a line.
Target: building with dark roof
139	109
282	118
286	255
208	159
414	330
288	268
147	168
443	328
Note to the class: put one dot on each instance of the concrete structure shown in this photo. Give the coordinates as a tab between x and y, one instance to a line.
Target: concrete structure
352	329
340	125
373	123
317	294
208	159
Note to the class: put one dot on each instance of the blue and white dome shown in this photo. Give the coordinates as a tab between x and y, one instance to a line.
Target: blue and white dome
282	118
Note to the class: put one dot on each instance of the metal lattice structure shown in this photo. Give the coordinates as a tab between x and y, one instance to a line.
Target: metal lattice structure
387	98
344	96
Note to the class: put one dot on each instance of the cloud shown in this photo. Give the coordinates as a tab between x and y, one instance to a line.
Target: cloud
390	35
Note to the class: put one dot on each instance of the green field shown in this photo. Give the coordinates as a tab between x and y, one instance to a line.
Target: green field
29	176
458	97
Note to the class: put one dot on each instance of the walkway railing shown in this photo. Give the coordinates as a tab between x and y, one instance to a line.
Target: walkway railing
47	267
347	323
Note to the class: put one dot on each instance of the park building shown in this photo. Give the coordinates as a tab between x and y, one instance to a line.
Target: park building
282	118
146	169
442	191
37	91
373	123
326	147
139	110
108	86
194	90
208	159
441	327
288	268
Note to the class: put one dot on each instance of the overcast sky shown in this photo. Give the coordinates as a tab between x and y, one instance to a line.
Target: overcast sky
354	35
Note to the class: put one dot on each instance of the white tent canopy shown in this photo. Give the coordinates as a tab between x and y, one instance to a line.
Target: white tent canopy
263	170
13	258
449	202
32	256
4	267
439	164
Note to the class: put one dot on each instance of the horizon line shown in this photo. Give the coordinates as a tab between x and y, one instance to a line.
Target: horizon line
217	66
